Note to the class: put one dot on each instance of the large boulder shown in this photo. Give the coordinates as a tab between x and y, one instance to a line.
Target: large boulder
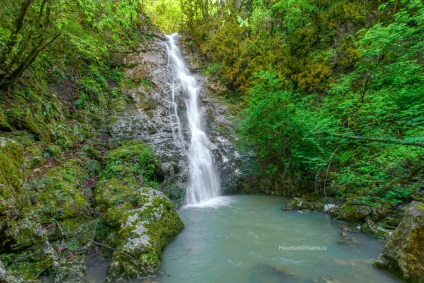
137	225
403	254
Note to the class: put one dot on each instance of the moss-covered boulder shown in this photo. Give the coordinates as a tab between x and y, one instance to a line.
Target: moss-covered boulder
54	197
403	254
57	194
143	221
351	211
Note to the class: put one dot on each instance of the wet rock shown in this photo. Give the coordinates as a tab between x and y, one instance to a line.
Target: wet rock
374	229
328	207
403	255
350	228
301	204
344	235
351	211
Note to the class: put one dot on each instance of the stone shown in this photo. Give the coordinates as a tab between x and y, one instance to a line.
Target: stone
403	254
344	235
5	276
374	229
3	272
328	207
379	212
351	212
142	235
72	269
301	204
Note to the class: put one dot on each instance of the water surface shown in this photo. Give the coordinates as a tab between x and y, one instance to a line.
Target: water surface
250	239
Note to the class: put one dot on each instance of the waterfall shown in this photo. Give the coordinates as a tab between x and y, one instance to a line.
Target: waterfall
204	183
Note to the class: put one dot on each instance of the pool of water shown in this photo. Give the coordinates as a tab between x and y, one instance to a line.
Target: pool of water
251	239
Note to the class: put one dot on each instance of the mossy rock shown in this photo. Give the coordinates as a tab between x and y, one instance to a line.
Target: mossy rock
25	266
72	270
11	180
403	254
4	124
111	193
304	204
34	156
35	125
351	211
57	194
134	163
11	161
144	233
374	229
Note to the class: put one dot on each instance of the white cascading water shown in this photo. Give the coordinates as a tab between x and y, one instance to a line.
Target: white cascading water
204	180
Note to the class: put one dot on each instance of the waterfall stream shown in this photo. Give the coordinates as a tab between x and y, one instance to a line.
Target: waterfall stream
204	183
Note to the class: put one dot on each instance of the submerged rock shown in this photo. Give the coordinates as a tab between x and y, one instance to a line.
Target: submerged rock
274	273
403	254
325	280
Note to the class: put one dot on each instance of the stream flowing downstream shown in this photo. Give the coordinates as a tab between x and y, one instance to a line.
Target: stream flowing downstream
248	239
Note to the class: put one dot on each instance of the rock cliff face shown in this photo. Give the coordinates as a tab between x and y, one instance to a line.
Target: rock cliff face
403	254
150	121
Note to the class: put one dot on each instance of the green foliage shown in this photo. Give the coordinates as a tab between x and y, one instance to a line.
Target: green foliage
132	162
311	72
166	14
83	29
280	130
